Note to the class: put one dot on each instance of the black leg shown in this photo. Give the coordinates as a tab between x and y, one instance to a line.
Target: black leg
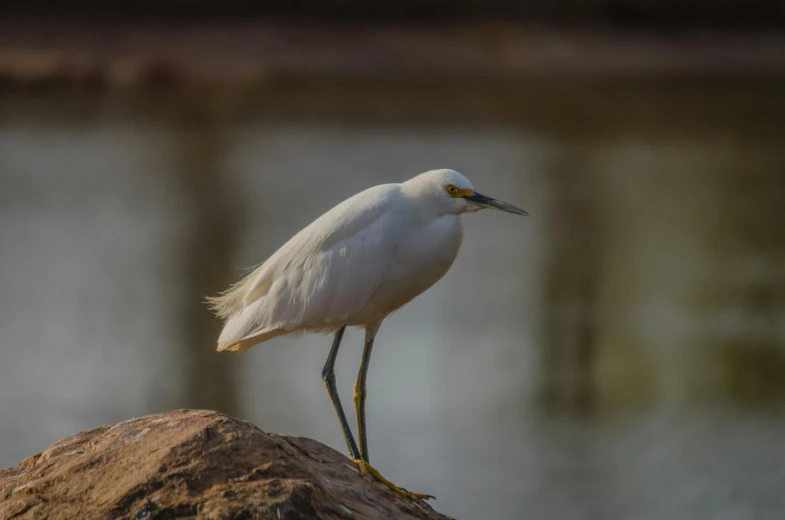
359	399
328	376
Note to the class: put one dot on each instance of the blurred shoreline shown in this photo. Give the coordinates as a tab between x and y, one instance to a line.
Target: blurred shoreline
254	53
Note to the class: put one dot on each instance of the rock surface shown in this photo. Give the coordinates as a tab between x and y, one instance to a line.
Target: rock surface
194	463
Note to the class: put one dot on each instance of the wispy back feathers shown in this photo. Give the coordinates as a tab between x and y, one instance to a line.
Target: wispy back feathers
231	301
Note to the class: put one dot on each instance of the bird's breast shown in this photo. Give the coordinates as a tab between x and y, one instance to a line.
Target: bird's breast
422	256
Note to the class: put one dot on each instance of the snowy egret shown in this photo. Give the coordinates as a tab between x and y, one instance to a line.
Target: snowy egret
353	266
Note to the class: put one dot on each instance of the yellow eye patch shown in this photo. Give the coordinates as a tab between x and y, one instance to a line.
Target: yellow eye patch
457	193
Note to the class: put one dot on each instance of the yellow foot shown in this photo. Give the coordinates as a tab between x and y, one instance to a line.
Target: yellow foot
364	468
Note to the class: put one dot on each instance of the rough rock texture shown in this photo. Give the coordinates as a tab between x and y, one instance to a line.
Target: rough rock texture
194	463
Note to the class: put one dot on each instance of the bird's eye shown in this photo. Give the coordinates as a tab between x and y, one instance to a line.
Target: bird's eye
452	190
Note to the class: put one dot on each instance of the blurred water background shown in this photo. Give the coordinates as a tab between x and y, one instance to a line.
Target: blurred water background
618	354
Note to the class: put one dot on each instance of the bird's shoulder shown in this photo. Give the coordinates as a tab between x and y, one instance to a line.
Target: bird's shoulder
369	209
360	226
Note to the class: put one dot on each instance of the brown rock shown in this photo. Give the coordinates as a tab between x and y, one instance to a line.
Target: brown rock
194	463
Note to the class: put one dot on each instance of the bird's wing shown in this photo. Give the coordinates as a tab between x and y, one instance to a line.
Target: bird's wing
325	274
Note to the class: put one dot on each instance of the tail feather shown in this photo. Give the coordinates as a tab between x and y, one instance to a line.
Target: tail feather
245	344
242	331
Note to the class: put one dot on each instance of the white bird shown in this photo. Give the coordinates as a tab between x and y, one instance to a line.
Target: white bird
355	265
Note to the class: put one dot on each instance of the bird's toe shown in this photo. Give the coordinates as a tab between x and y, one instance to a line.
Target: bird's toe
365	468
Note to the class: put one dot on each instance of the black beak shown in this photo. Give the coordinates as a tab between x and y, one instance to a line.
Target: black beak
489	202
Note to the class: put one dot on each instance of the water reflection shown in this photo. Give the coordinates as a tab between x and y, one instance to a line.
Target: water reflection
618	354
205	258
573	280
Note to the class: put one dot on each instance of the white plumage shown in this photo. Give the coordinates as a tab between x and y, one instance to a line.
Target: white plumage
354	265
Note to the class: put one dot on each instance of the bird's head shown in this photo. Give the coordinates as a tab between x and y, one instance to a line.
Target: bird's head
451	192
